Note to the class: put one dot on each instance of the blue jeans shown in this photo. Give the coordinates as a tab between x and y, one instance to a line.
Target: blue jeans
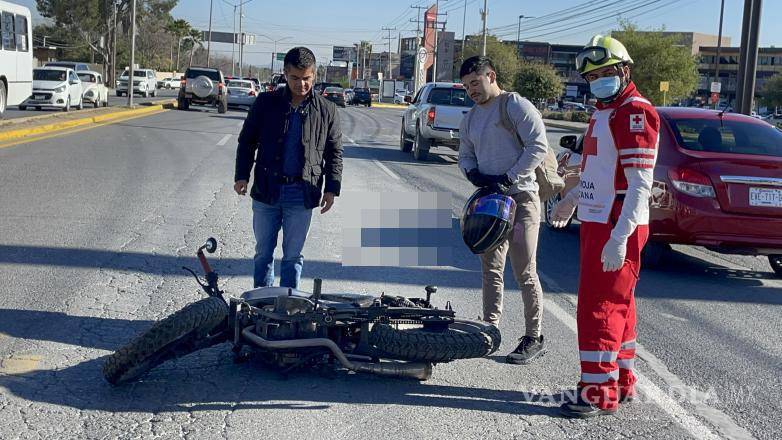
289	214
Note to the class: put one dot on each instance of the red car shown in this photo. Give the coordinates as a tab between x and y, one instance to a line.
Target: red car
717	184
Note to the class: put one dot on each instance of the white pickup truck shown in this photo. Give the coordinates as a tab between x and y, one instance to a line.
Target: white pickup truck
433	118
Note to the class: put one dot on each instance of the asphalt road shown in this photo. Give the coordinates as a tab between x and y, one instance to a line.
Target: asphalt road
95	226
114	100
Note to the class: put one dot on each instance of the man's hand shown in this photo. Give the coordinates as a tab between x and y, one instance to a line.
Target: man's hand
476	178
500	183
326	202
613	256
240	186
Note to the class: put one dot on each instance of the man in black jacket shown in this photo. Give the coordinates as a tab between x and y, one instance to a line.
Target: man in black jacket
293	138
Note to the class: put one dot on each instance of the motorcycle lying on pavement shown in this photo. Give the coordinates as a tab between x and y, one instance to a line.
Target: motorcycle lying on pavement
290	329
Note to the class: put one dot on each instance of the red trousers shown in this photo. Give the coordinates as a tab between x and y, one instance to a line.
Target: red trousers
606	315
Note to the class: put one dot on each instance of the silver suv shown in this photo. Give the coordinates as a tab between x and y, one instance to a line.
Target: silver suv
144	83
203	86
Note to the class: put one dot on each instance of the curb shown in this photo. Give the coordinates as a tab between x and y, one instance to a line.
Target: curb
386	105
565	126
48	128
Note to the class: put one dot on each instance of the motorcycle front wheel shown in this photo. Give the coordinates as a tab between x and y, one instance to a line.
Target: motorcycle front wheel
177	335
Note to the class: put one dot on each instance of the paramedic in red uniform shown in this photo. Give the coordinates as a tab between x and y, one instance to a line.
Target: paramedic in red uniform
620	150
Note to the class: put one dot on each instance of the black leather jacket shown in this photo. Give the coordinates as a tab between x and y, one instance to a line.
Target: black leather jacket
262	138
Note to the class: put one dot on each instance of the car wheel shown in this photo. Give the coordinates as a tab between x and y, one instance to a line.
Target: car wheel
405	144
22	107
421	146
654	254
222	106
119	93
549	206
67	105
38	108
81	104
154	93
96	104
776	264
146	93
106	102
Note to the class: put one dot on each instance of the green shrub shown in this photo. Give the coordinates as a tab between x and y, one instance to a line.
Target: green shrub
580	117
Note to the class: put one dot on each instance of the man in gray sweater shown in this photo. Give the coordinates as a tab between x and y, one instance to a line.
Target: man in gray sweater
491	156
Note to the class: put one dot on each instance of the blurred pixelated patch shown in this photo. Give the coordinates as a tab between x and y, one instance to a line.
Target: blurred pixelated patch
397	229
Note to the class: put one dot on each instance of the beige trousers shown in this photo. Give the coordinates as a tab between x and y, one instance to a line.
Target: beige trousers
522	247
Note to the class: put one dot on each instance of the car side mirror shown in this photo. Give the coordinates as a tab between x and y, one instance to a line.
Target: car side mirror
408	99
569	142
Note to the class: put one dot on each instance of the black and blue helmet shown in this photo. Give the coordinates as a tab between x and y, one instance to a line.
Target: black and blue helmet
487	220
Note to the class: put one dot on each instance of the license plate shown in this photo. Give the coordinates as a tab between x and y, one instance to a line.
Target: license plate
39	97
765	197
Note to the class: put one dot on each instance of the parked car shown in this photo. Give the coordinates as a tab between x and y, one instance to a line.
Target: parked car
335	95
203	86
362	97
144	83
717	184
93	89
73	65
241	93
349	94
399	97
57	87
433	118
171	82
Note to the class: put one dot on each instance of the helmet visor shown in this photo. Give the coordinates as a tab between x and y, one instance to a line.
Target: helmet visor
596	55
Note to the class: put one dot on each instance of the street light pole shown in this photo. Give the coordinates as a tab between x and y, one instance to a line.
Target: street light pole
114	50
719	46
464	20
209	38
131	69
241	41
233	47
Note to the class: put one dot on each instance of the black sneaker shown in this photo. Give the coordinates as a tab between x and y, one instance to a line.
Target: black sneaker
581	409
529	348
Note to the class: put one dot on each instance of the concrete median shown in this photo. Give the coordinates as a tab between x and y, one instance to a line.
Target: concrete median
42	125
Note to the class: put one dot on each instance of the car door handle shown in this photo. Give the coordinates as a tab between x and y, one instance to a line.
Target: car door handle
464	112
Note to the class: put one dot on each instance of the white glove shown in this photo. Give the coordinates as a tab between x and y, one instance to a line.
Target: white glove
565	209
613	256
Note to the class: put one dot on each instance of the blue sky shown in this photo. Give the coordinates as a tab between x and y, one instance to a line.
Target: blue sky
319	24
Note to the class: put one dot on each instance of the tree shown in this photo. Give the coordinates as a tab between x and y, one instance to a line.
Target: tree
504	57
659	58
537	81
772	91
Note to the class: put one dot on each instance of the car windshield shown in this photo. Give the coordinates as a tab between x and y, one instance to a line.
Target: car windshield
728	136
49	75
333	90
214	75
240	84
361	91
136	73
86	77
453	96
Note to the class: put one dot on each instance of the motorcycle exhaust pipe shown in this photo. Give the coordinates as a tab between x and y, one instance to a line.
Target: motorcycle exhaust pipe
411	370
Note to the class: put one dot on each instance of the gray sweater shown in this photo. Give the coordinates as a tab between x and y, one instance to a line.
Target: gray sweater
485	144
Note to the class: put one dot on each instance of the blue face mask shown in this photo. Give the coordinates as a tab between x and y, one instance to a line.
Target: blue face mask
605	87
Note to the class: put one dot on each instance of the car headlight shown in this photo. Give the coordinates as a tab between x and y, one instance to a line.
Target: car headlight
60	89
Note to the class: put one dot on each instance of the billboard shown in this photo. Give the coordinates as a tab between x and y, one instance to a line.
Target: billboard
430	20
344	53
228	37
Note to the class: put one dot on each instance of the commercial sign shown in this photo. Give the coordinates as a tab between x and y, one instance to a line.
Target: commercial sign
344	53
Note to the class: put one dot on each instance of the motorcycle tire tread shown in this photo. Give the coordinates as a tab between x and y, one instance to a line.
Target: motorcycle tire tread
423	346
195	321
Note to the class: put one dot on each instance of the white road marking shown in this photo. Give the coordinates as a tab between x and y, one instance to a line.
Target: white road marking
224	140
350	141
385	168
241	124
727	427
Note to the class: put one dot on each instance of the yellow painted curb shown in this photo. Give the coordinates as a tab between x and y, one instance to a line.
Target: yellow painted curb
385	105
48	128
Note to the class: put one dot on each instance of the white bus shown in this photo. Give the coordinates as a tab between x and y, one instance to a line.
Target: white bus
16	55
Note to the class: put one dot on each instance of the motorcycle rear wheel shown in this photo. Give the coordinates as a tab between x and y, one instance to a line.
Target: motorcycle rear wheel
463	339
174	336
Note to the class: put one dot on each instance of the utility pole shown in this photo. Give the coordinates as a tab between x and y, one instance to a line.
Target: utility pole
719	46
233	47
484	13
132	68
241	41
114	50
464	37
418	26
389	48
750	32
518	39
209	37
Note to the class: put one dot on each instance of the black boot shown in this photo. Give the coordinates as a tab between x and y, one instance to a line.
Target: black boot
581	409
529	348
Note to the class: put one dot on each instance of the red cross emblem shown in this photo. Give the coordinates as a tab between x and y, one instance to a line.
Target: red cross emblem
637	122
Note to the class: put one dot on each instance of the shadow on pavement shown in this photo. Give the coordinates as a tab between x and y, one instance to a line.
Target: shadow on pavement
370	150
